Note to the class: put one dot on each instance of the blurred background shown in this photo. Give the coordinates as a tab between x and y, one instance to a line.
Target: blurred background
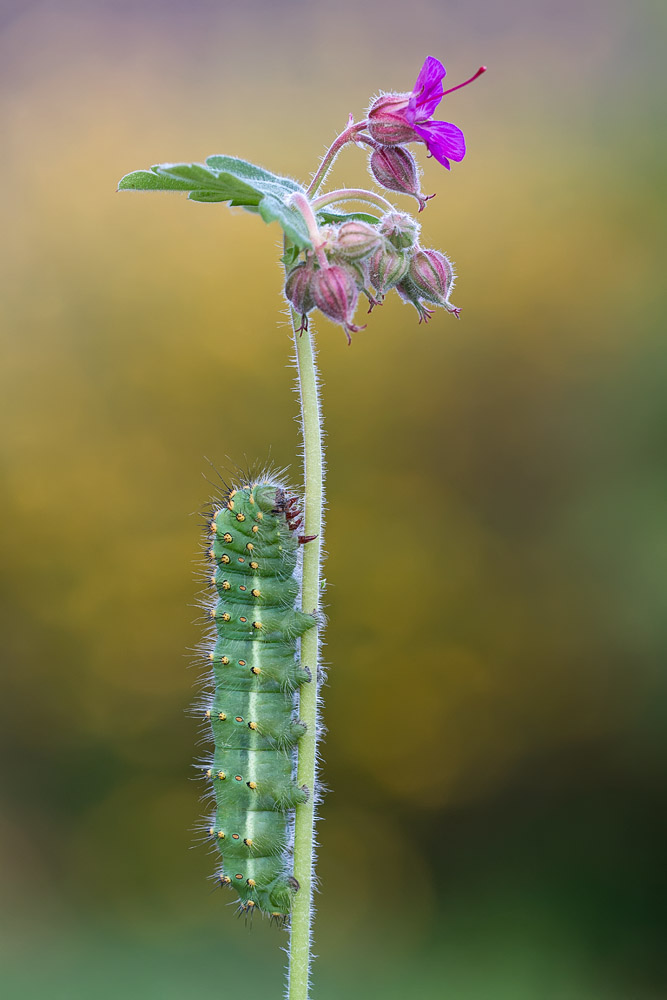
495	706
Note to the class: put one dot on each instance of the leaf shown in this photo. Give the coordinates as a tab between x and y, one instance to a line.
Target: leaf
290	257
226	178
324	215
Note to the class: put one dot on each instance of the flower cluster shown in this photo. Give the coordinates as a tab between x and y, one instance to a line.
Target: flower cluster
360	257
355	256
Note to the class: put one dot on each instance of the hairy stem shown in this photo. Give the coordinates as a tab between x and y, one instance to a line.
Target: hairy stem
347	135
301	921
301	202
304	824
352	194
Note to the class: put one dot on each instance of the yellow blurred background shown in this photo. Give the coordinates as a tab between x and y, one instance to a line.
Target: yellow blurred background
496	493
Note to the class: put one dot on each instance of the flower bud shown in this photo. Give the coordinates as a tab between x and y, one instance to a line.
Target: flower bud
355	239
335	292
396	169
387	266
385	122
432	275
298	290
400	229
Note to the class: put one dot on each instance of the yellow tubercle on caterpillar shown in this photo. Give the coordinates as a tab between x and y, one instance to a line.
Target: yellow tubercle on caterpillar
252	785
255	529
225	880
224	559
225	616
207	713
213	527
211	656
260	516
212	612
222	716
251	498
240	516
252	725
221	835
211	554
247	841
224	660
221	775
212	580
251	882
256	593
255	670
257	625
211	831
209	773
254	565
226	585
230	505
250	546
227	537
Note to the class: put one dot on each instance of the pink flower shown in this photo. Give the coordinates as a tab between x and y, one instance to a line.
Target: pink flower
397	118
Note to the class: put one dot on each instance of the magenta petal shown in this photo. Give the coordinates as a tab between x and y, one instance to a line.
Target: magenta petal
427	91
443	140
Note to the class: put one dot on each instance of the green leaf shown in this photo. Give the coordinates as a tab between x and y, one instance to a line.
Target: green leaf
290	257
324	215
226	178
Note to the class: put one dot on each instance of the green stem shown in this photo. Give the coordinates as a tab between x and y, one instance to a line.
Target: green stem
304	823
352	194
301	920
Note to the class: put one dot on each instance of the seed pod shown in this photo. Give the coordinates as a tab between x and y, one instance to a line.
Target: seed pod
355	239
298	290
432	275
385	123
336	294
387	266
395	168
400	229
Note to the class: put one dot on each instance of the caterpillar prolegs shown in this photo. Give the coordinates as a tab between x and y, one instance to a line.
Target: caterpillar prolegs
256	676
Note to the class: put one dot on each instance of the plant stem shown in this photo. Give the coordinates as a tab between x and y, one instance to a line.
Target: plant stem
301	920
332	152
304	823
352	194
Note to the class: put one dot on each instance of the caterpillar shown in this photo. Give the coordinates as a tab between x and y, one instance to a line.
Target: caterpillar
252	708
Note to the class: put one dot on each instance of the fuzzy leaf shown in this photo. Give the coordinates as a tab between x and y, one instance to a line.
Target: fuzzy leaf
226	178
290	257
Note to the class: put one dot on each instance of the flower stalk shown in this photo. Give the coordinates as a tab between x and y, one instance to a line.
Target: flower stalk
347	135
304	823
352	194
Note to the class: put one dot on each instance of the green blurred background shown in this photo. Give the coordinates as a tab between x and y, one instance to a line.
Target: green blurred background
496	688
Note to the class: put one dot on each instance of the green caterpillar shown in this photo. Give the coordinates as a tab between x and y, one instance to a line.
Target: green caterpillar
256	677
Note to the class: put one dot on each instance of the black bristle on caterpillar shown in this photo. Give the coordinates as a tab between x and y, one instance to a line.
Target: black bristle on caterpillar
254	566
